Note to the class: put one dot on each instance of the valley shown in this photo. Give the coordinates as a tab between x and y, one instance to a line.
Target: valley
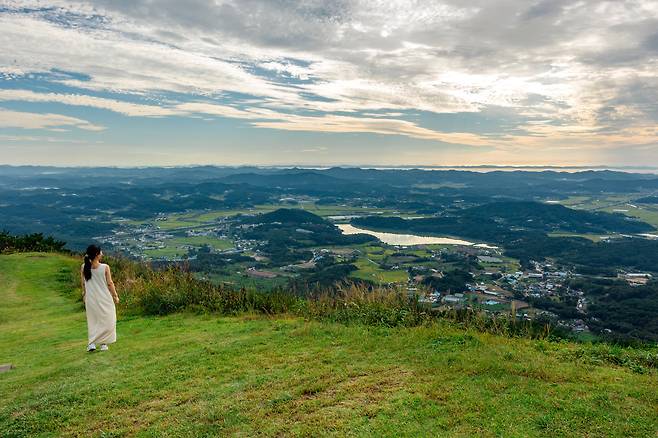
534	244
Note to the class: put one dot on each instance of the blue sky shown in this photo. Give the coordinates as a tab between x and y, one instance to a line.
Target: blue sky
143	82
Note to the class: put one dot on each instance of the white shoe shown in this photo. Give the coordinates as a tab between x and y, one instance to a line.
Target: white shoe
91	347
104	347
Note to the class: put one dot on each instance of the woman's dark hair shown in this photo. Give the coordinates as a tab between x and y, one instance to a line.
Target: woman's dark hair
90	255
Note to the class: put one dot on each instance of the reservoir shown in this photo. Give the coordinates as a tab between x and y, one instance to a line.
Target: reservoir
403	239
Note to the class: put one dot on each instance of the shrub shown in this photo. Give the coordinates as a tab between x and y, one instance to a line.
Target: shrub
29	243
148	291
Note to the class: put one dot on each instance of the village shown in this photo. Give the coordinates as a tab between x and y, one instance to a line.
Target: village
496	283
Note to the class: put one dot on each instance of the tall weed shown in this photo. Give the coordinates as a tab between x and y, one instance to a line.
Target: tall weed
147	291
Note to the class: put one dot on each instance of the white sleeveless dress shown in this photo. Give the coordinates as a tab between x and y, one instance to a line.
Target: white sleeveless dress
101	313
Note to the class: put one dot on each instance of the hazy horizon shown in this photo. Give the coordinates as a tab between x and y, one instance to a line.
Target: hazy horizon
341	83
475	168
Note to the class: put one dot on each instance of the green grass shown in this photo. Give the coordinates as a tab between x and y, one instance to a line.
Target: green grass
197	219
167	252
377	252
338	210
609	204
177	246
242	280
370	270
200	375
644	213
592	237
573	201
199	241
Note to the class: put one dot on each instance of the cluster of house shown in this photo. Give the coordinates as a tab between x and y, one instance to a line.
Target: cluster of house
480	292
137	240
544	280
576	325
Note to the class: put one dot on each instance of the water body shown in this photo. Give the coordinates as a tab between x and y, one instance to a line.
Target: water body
405	239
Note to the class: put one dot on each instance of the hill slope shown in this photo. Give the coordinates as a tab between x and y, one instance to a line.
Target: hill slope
194	375
294	216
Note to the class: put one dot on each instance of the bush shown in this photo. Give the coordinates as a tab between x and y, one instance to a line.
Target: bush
144	290
29	243
357	303
147	291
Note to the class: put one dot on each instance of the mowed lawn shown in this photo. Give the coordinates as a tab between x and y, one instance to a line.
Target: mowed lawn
204	375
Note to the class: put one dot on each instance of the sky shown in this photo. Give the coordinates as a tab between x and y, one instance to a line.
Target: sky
344	82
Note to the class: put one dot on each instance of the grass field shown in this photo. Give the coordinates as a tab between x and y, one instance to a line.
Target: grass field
167	252
369	270
177	223
177	246
203	375
592	237
339	210
195	219
646	213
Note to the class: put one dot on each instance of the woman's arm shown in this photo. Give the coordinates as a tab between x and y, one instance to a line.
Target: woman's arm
110	284
82	285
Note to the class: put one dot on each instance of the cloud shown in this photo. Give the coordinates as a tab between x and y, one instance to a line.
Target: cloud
135	109
39	139
226	111
262	117
544	9
345	124
571	72
53	122
117	106
317	150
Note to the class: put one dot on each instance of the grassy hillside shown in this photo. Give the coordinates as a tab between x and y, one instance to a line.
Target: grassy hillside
194	375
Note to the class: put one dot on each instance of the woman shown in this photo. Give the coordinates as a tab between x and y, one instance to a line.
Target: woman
99	296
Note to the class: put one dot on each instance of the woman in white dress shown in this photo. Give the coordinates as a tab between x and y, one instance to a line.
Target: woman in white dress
99	296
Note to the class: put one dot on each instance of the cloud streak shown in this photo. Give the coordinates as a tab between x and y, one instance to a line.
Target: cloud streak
258	117
52	122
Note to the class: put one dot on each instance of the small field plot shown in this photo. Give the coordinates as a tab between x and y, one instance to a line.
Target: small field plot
370	270
178	246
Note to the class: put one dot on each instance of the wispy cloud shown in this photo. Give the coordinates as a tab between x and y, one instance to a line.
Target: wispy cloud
52	122
258	117
117	106
345	124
